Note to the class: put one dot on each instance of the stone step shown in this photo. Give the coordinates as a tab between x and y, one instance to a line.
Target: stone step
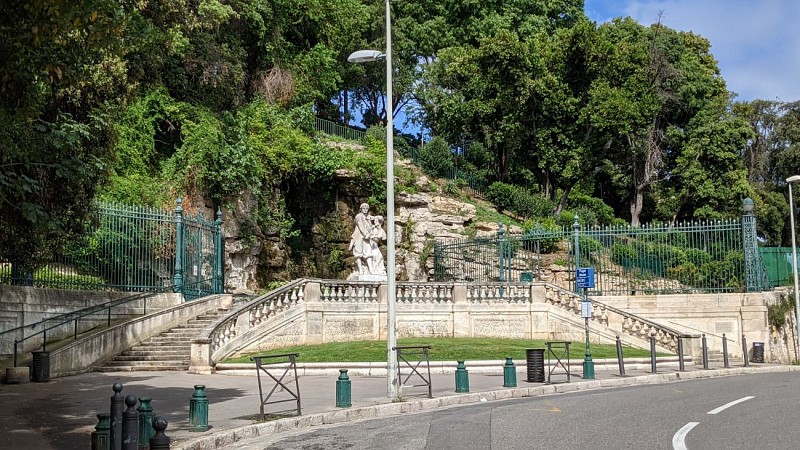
167	340
152	357
180	332
168	351
168	348
165	367
179	362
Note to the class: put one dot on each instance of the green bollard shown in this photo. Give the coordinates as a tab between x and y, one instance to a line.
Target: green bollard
509	373
101	436
462	378
146	430
198	409
343	390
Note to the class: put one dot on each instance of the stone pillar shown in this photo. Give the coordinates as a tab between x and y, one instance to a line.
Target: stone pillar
311	292
461	316
201	357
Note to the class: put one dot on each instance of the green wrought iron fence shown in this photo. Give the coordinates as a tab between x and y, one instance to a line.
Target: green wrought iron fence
654	259
335	129
134	248
778	263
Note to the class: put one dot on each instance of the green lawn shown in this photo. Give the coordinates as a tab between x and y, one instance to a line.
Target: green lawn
442	349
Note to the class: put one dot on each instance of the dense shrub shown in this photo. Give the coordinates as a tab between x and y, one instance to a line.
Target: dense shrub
584	205
436	159
519	201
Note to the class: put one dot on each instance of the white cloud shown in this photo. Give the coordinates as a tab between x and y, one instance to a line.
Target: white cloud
755	42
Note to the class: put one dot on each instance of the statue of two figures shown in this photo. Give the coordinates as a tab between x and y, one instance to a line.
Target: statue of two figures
364	243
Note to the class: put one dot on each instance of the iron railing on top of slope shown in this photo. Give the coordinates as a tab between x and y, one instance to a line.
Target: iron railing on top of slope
698	257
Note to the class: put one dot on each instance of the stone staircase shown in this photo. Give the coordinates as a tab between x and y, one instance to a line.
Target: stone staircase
170	350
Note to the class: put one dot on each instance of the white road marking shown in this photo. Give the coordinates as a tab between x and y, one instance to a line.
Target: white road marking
679	437
728	405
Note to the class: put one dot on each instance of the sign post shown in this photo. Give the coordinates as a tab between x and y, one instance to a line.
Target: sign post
584	279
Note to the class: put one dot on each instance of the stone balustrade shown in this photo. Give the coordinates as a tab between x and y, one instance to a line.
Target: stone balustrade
254	313
618	319
309	311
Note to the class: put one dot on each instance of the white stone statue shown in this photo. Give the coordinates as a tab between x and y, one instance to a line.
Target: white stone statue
364	243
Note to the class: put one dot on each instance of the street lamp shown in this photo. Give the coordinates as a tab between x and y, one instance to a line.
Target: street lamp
791	180
361	56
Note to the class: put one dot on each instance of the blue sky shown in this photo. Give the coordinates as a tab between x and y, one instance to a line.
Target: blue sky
755	42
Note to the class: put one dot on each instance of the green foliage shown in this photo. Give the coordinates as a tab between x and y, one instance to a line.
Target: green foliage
518	200
601	213
436	158
777	312
546	233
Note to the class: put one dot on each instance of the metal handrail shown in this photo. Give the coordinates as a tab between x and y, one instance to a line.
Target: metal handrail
86	312
99	307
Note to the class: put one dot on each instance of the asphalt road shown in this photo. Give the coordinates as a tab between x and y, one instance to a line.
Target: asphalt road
739	412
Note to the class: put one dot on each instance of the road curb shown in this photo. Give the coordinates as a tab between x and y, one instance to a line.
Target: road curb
231	436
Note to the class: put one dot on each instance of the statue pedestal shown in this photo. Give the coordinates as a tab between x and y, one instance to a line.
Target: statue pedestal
366	277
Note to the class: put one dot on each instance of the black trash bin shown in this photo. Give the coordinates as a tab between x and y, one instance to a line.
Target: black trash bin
40	371
758	352
535	360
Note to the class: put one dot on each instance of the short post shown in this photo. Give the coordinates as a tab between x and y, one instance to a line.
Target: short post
343	394
198	409
620	361
462	378
130	425
725	351
101	436
117	406
652	353
146	430
705	352
744	352
509	373
681	365
159	441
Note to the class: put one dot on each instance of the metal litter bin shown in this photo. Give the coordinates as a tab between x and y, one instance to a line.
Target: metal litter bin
535	361
758	352
40	370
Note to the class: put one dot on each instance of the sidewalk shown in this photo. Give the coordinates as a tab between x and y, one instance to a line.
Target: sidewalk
61	413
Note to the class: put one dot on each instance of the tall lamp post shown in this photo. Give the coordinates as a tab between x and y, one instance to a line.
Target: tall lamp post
361	56
791	180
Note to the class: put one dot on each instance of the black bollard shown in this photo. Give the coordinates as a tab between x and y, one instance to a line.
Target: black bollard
130	425
117	406
652	353
620	361
744	352
725	351
159	441
705	352
681	365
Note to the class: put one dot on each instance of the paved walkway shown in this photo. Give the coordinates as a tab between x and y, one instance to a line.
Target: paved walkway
61	413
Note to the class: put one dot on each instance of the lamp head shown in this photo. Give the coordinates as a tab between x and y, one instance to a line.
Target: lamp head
793	178
362	56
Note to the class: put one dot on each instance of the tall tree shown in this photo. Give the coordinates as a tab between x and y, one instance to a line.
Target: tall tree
63	69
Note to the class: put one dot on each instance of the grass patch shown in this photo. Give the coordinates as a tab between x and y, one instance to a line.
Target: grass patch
442	349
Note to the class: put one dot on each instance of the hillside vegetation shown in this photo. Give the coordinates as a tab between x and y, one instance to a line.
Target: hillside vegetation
554	115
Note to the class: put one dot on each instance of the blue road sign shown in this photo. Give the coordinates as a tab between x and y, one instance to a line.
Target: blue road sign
584	277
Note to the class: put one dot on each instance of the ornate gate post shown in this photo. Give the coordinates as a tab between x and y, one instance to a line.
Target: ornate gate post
756	279
177	278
